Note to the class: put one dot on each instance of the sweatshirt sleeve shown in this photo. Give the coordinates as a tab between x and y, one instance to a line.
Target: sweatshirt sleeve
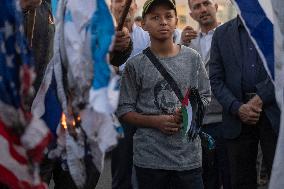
128	90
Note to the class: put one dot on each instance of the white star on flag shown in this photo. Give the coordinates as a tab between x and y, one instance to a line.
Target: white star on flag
9	61
3	49
8	30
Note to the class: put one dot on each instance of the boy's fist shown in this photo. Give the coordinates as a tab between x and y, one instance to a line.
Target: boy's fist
167	124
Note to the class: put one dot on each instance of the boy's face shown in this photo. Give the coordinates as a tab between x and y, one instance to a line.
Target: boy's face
160	22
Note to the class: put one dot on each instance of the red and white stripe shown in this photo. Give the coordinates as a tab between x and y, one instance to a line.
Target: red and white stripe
14	169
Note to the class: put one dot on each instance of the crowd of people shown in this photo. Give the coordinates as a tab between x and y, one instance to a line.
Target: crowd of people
158	65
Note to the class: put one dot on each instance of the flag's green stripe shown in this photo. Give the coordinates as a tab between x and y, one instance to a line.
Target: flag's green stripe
184	119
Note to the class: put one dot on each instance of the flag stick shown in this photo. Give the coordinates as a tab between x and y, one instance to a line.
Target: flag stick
123	15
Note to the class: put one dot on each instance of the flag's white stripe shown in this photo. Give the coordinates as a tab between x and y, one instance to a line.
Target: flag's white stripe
7	161
83	12
103	100
267	8
38	106
20	150
35	133
189	116
277	175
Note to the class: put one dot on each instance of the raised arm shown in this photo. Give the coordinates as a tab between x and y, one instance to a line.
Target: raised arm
122	48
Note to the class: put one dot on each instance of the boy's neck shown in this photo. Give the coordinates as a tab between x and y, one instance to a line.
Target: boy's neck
164	48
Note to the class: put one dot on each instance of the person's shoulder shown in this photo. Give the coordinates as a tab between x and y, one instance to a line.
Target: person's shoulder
136	60
191	56
194	43
225	26
189	51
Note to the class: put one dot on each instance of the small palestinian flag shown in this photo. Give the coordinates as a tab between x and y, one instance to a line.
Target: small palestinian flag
186	114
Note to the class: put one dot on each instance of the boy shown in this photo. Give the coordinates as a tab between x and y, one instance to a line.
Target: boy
162	156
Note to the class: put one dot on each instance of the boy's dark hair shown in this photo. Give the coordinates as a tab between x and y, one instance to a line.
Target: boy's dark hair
150	4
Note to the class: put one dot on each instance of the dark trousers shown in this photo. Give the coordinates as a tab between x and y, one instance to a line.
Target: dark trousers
242	153
122	160
51	169
62	178
168	179
215	163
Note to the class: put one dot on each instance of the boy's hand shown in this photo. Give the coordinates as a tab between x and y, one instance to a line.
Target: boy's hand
167	124
178	116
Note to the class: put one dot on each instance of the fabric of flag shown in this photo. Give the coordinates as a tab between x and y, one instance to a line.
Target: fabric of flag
186	114
22	137
277	175
54	6
53	108
193	113
105	91
84	33
258	20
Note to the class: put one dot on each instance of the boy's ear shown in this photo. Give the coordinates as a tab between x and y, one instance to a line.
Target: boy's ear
143	25
176	21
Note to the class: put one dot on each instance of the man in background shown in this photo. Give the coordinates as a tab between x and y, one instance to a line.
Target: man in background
122	163
251	116
215	164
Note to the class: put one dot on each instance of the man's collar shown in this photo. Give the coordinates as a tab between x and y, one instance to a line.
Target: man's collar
210	31
239	22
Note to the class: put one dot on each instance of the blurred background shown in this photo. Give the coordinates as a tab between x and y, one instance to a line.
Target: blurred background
225	12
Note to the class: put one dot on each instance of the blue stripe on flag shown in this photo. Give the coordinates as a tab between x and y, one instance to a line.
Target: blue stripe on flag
53	108
54	6
260	28
68	16
102	31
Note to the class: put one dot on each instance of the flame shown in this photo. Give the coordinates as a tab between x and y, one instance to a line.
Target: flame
63	121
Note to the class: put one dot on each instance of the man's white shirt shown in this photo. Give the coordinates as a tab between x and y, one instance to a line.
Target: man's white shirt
202	44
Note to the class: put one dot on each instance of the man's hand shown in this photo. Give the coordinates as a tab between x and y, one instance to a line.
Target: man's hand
249	114
122	40
167	124
256	101
187	35
30	4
